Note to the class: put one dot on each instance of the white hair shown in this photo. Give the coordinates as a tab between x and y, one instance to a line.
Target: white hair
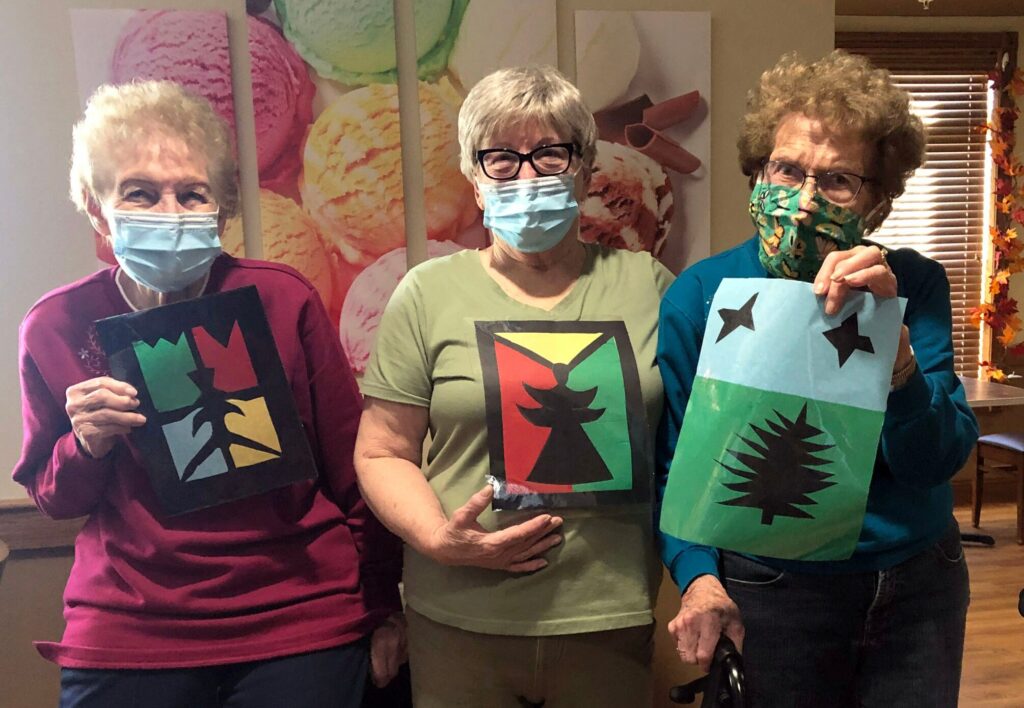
520	96
128	117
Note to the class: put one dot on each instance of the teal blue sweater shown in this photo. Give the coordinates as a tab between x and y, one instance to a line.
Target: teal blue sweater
928	433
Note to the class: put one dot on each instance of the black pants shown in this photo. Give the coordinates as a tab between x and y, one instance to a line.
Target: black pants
889	638
331	678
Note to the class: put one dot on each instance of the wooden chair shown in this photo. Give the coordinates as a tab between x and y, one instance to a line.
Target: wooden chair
1000	452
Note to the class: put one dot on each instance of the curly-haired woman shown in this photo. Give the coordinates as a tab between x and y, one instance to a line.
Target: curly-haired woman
886	626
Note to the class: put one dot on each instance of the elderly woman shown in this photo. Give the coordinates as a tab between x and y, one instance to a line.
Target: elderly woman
885	627
540	607
265	601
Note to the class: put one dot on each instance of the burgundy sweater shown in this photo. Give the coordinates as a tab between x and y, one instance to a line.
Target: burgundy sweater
300	568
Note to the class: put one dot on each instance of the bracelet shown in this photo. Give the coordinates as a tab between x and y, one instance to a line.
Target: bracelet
900	378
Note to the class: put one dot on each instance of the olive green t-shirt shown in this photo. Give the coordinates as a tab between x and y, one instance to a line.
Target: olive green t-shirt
604	574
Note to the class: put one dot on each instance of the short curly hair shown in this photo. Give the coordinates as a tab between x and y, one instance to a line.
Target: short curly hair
522	95
849	95
133	114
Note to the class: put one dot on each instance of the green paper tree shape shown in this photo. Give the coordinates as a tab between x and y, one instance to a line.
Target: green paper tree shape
780	473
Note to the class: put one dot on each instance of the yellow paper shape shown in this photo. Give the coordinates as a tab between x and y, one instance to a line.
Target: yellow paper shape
245	456
253	423
555	347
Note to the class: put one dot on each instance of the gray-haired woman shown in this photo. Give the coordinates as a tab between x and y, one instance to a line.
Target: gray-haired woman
488	350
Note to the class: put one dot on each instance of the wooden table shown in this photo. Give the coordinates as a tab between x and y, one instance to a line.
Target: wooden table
998	410
988	394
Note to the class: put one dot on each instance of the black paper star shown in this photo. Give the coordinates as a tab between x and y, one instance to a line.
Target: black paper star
731	319
847	339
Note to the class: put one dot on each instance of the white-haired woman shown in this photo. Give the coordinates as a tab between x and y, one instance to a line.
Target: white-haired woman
554	609
265	601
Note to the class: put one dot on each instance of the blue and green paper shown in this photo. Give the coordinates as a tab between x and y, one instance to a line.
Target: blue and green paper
781	431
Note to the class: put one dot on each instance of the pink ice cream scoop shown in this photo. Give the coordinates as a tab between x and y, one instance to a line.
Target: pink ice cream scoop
191	49
370	292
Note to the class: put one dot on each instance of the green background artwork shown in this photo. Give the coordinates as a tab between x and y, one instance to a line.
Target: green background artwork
166	368
696	512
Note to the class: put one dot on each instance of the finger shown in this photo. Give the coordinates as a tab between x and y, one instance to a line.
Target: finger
95	433
539	548
119	387
686	635
466	514
877	278
376	670
824	277
736	632
707	640
104	398
837	292
109	417
529	566
856	259
527	533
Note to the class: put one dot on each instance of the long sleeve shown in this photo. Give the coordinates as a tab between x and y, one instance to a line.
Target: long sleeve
932	406
337	405
679	341
63	481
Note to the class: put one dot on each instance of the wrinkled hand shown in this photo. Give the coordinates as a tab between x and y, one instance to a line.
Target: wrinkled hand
518	549
705	612
100	410
388	650
859	267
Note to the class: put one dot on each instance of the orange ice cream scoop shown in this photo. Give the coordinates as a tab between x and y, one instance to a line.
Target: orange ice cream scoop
289	237
352	177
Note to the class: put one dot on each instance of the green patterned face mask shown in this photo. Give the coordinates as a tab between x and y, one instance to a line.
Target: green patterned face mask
792	249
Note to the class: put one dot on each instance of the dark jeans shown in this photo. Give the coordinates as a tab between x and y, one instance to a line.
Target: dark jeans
331	678
888	638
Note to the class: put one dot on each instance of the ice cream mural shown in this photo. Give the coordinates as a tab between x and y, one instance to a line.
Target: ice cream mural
647	76
326	111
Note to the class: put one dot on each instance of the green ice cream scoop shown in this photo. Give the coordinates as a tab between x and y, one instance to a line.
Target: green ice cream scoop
353	41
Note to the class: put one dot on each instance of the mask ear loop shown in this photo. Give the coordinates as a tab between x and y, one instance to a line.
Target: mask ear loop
873	215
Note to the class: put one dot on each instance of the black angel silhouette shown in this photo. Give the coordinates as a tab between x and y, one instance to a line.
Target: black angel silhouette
568	456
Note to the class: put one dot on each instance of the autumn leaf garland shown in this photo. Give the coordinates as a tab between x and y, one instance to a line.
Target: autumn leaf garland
1000	312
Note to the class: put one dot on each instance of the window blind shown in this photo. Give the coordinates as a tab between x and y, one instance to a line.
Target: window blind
942	214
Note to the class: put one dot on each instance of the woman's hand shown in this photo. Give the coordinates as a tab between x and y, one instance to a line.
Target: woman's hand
705	613
101	410
388	650
518	549
859	267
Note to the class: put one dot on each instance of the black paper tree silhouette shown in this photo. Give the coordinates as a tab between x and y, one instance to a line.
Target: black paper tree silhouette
568	456
781	474
214	406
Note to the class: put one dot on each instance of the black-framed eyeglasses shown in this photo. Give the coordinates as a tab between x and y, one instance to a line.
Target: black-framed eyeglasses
547	160
840	188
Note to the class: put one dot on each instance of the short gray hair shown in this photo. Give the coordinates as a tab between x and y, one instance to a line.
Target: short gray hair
126	116
522	95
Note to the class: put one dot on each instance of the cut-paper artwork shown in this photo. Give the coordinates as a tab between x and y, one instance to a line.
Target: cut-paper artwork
221	423
565	418
781	430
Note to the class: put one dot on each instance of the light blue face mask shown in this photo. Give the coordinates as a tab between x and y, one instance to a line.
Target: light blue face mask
165	252
530	215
